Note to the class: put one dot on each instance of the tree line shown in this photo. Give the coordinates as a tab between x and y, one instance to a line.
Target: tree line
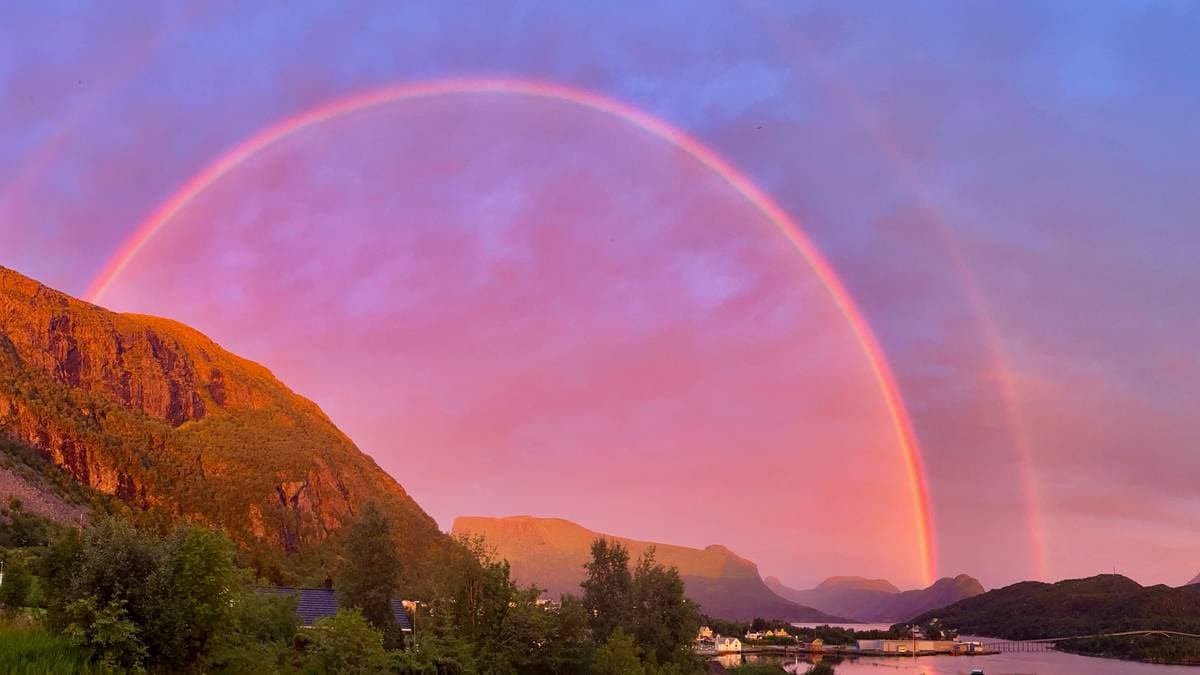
113	597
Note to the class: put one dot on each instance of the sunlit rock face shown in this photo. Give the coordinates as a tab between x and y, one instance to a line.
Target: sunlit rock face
158	415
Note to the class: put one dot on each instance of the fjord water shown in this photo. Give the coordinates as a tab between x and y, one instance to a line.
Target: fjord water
1037	663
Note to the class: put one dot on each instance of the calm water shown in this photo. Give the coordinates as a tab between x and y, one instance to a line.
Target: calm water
851	626
1041	663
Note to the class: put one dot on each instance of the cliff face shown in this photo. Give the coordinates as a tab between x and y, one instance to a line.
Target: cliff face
155	413
877	600
551	553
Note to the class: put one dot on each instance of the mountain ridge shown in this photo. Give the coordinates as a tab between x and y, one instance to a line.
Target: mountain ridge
551	552
878	600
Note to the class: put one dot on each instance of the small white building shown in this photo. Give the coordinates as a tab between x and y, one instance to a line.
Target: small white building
728	645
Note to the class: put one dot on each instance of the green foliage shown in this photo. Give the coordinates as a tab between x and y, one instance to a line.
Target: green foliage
663	620
136	598
368	578
608	588
27	649
647	605
345	643
757	669
1152	648
17	580
618	655
259	635
57	568
20	529
197	587
830	635
106	632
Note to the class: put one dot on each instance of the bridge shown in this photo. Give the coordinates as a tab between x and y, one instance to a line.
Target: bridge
1047	644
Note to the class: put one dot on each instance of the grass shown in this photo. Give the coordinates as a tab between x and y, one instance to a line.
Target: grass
29	649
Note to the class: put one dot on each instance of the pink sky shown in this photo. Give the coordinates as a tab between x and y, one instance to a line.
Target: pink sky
551	313
514	304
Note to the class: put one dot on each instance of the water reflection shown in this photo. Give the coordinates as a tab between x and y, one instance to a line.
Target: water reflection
1044	663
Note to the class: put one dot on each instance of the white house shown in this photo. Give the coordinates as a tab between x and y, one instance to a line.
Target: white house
727	645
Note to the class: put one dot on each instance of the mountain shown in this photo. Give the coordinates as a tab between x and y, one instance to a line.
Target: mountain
1100	604
551	553
877	600
1195	580
162	418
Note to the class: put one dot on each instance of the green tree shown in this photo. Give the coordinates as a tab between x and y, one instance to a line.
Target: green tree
664	621
368	577
618	656
346	643
569	647
58	568
261	631
608	588
198	586
17	580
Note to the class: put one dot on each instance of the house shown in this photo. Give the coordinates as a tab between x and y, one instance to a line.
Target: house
317	603
705	633
908	646
755	635
728	645
777	633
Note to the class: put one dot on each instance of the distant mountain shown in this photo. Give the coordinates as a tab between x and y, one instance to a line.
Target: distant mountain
877	600
1100	604
551	553
1195	580
159	416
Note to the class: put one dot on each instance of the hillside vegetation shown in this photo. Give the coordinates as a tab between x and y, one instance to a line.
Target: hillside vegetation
1106	603
160	417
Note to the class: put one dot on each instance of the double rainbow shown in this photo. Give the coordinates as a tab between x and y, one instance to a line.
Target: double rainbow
652	125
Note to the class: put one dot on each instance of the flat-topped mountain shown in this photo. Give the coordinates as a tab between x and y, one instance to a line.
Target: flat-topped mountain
877	600
158	415
551	553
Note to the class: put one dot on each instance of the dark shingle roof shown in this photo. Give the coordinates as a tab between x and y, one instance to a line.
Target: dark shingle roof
318	603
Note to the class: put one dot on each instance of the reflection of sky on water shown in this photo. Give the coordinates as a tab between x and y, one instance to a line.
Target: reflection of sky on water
1044	663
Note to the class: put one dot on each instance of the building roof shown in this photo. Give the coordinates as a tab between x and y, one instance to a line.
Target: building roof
318	603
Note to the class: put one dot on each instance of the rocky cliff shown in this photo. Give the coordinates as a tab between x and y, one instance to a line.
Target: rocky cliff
158	415
551	552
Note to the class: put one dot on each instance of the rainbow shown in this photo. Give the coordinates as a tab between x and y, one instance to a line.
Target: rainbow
737	180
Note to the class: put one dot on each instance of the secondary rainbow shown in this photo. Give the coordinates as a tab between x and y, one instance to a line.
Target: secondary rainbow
657	127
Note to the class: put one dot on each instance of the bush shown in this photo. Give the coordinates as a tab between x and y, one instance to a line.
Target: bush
345	643
618	656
